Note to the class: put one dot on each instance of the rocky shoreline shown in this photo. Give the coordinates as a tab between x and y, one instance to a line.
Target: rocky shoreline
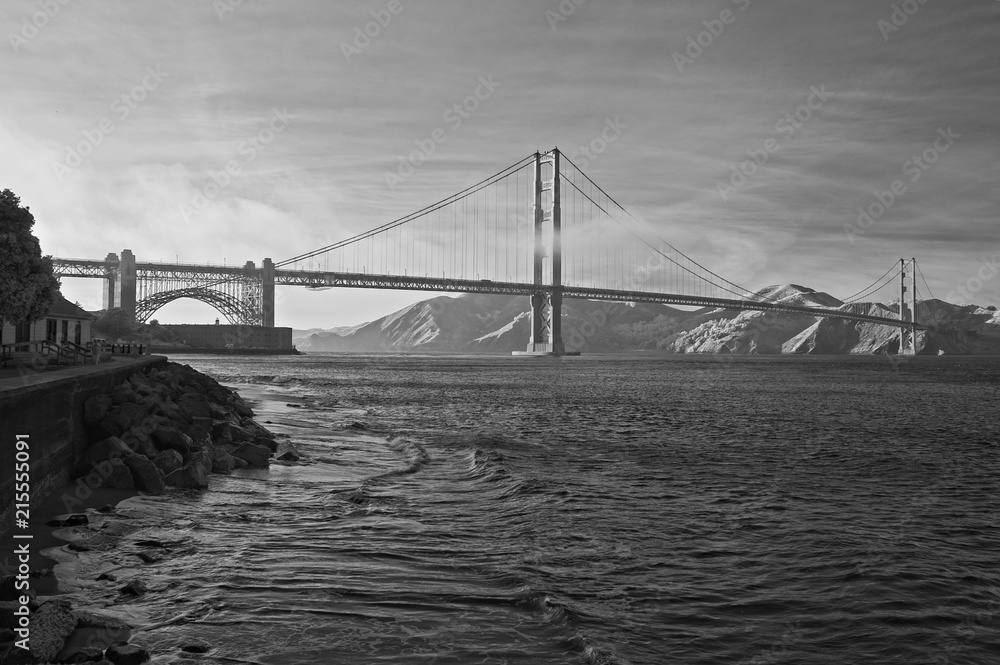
166	427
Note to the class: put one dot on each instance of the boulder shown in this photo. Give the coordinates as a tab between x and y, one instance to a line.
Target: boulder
194	405
121	418
123	394
117	476
109	448
168	461
240	463
200	436
287	452
126	654
268	442
241	409
221	432
96	409
51	625
190	477
201	459
134	588
222	462
171	438
256	457
240	435
139	443
85	655
147	476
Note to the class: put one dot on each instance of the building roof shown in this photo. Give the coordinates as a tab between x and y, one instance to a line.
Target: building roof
64	309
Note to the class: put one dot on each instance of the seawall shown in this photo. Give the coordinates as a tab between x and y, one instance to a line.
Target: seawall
48	407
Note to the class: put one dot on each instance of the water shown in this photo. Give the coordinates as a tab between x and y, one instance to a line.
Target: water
615	509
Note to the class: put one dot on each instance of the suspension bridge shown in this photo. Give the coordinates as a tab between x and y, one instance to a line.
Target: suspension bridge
540	228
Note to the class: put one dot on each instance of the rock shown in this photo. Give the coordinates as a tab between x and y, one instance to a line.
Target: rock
126	654
221	432
258	430
200	436
196	648
88	619
72	520
170	438
122	418
241	409
85	655
202	459
110	448
190	477
358	426
240	435
267	442
123	394
78	547
257	457
149	558
7	636
145	391
240	463
168	461
50	626
288	453
222	462
106	577
139	443
96	409
134	588
116	475
147	477
194	405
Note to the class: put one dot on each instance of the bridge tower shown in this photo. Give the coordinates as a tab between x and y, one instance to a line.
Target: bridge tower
908	308
546	301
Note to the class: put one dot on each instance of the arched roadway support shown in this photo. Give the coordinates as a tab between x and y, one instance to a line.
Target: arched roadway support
235	311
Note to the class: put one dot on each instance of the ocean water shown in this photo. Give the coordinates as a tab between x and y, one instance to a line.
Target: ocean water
603	509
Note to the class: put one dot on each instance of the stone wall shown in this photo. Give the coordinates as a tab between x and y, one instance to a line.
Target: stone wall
51	413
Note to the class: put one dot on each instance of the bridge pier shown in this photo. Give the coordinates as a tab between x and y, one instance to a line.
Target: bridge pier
267	293
127	283
546	302
908	310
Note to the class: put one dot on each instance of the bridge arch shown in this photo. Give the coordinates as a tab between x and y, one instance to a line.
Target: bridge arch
235	310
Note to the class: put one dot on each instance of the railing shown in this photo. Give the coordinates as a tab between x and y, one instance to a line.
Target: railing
66	352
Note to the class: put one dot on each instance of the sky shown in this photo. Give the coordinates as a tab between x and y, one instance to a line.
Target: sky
116	116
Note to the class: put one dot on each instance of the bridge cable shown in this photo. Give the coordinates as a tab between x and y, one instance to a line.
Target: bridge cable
415	215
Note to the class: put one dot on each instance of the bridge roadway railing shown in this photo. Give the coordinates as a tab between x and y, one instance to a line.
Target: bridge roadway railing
352	280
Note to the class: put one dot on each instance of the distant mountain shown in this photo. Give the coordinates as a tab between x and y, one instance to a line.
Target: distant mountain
500	324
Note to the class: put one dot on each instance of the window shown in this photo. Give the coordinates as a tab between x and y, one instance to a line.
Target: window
51	329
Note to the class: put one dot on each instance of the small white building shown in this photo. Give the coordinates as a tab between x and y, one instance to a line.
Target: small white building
63	322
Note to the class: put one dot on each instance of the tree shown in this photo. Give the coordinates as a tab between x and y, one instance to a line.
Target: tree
116	324
27	286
